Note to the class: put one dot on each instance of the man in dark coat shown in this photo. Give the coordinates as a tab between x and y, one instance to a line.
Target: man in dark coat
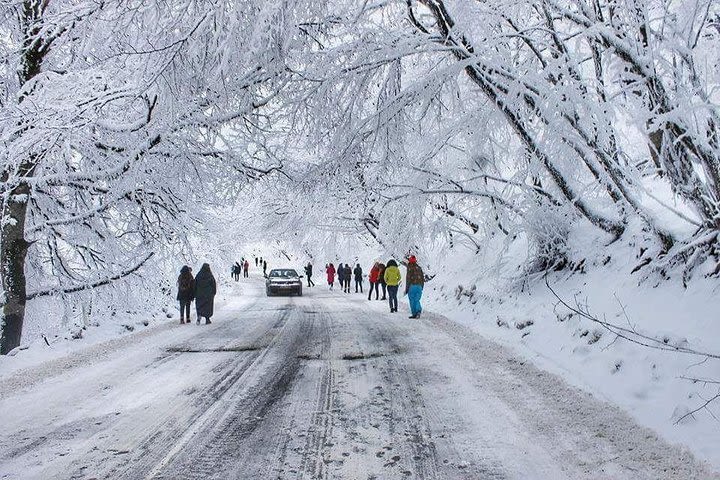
205	290
348	277
358	278
308	274
341	276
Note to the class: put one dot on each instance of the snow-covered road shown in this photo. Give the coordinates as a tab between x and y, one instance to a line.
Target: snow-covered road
323	386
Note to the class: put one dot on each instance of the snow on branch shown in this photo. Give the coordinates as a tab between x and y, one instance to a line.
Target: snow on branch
64	290
630	334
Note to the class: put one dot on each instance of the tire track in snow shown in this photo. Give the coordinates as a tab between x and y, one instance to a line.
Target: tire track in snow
226	386
316	453
249	436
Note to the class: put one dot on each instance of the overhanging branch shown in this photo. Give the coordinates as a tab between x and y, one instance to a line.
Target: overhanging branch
95	284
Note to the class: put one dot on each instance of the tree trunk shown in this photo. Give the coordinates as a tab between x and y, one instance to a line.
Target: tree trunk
13	246
13	250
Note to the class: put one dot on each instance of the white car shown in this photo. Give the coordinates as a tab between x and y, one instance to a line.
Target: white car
283	280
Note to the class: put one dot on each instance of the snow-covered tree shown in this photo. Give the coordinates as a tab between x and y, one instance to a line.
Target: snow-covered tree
122	123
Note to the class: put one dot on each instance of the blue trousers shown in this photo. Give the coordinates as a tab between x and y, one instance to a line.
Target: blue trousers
414	294
392	296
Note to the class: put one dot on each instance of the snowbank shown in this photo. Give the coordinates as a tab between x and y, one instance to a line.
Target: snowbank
652	385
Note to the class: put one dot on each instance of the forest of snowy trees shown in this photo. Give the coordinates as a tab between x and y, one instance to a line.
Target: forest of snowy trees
127	126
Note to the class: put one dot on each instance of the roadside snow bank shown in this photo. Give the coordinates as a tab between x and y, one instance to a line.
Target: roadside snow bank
52	338
653	386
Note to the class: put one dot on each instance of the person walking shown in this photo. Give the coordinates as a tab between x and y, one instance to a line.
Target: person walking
373	279
381	280
238	269
247	267
308	274
264	264
341	276
256	261
358	278
186	293
415	281
205	290
348	277
330	270
392	279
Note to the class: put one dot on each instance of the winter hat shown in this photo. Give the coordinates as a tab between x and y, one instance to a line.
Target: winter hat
412	259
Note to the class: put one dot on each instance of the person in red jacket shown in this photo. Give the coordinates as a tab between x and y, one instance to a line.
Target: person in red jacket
374	278
246	267
330	270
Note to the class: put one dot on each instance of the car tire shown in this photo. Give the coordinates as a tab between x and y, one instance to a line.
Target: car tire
268	292
299	292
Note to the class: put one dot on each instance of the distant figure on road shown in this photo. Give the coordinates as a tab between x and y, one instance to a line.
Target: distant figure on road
373	279
236	271
330	270
381	280
264	268
392	278
247	267
256	261
308	274
348	277
414	286
186	293
205	290
358	278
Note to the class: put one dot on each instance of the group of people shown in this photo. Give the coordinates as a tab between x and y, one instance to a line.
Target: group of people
345	274
201	289
243	268
382	276
240	268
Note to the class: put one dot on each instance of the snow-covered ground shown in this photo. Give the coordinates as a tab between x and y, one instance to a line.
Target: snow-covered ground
324	386
647	383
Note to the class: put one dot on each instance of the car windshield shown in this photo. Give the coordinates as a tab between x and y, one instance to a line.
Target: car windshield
283	273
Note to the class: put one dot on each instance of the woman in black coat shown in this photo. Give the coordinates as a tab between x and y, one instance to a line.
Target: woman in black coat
205	290
186	292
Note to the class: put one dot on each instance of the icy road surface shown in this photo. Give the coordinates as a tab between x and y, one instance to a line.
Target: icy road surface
324	386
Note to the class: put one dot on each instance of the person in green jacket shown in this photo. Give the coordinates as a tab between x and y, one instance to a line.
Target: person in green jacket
392	278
